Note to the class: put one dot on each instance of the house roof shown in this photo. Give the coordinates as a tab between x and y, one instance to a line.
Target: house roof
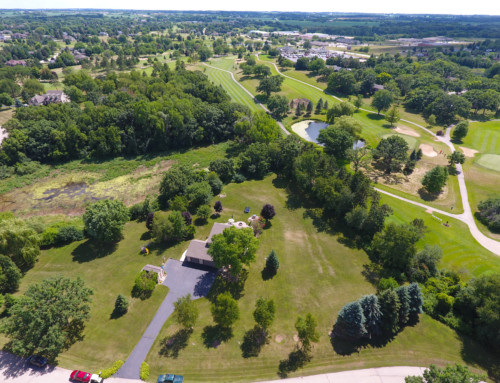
199	250
217	228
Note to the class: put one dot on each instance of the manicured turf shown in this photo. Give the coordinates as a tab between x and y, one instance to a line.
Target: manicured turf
317	274
411	141
490	161
234	90
461	252
483	136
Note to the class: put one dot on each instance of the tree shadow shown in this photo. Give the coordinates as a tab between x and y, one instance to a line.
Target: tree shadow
116	314
146	236
92	249
280	183
475	354
426	195
14	366
222	284
213	336
261	98
374	116
296	359
174	344
253	341
200	222
267	274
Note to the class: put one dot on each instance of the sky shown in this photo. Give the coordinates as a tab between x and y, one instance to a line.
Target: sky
464	7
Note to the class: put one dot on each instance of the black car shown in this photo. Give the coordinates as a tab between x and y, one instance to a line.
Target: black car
37	360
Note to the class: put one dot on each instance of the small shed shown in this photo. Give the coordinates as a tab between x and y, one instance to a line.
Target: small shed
162	275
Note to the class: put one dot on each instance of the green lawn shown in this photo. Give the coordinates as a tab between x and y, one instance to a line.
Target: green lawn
319	275
461	252
484	137
106	340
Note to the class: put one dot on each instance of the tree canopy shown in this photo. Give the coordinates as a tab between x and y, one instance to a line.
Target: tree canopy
104	220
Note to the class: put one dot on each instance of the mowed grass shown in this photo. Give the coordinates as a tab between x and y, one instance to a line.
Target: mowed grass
490	161
105	340
237	94
317	274
6	114
484	137
461	252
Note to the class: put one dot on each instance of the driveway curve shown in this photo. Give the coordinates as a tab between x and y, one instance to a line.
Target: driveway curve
467	217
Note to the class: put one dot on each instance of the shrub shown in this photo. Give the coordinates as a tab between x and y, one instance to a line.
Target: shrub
439	133
149	221
268	212
387	283
10	275
68	234
215	183
489	213
121	305
179	203
49	236
218	207
187	217
107	372
144	373
144	285
239	178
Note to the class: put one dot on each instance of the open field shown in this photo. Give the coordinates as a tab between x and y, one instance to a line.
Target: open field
108	272
5	115
319	275
65	189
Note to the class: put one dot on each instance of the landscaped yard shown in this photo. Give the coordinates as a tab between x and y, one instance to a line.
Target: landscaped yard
317	274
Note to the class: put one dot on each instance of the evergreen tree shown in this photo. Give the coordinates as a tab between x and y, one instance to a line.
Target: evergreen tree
351	322
121	305
218	207
372	313
309	108
389	306
404	309
272	263
319	106
298	110
325	105
416	301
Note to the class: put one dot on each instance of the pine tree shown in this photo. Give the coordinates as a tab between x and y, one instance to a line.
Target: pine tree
298	111
351	322
389	306
416	301
121	305
272	263
404	309
372	313
325	105
319	106
309	107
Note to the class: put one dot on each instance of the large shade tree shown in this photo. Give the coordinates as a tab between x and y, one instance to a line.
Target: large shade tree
49	317
234	248
104	220
19	242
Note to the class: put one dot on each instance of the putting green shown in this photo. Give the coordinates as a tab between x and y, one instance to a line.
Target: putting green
411	141
490	161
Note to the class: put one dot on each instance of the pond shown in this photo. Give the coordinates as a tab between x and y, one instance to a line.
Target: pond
309	129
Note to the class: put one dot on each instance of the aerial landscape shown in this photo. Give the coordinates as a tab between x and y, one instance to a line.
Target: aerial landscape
249	196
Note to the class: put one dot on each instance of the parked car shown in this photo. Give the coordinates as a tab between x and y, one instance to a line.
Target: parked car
170	378
37	360
80	376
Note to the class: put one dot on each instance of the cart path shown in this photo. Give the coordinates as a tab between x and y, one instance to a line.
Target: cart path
467	216
251	95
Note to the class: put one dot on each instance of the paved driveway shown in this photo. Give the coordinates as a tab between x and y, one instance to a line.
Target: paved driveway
181	280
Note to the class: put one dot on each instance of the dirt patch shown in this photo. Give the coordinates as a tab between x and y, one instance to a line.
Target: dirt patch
430	211
428	150
296	338
294	236
279	338
468	152
406	130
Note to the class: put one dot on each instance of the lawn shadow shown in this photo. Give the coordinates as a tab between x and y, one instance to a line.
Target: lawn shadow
374	116
477	355
172	345
253	341
200	222
146	236
115	314
296	359
92	249
213	336
222	284
426	195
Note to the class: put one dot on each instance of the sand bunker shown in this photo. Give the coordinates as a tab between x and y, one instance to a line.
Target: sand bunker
428	150
405	130
309	129
468	152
